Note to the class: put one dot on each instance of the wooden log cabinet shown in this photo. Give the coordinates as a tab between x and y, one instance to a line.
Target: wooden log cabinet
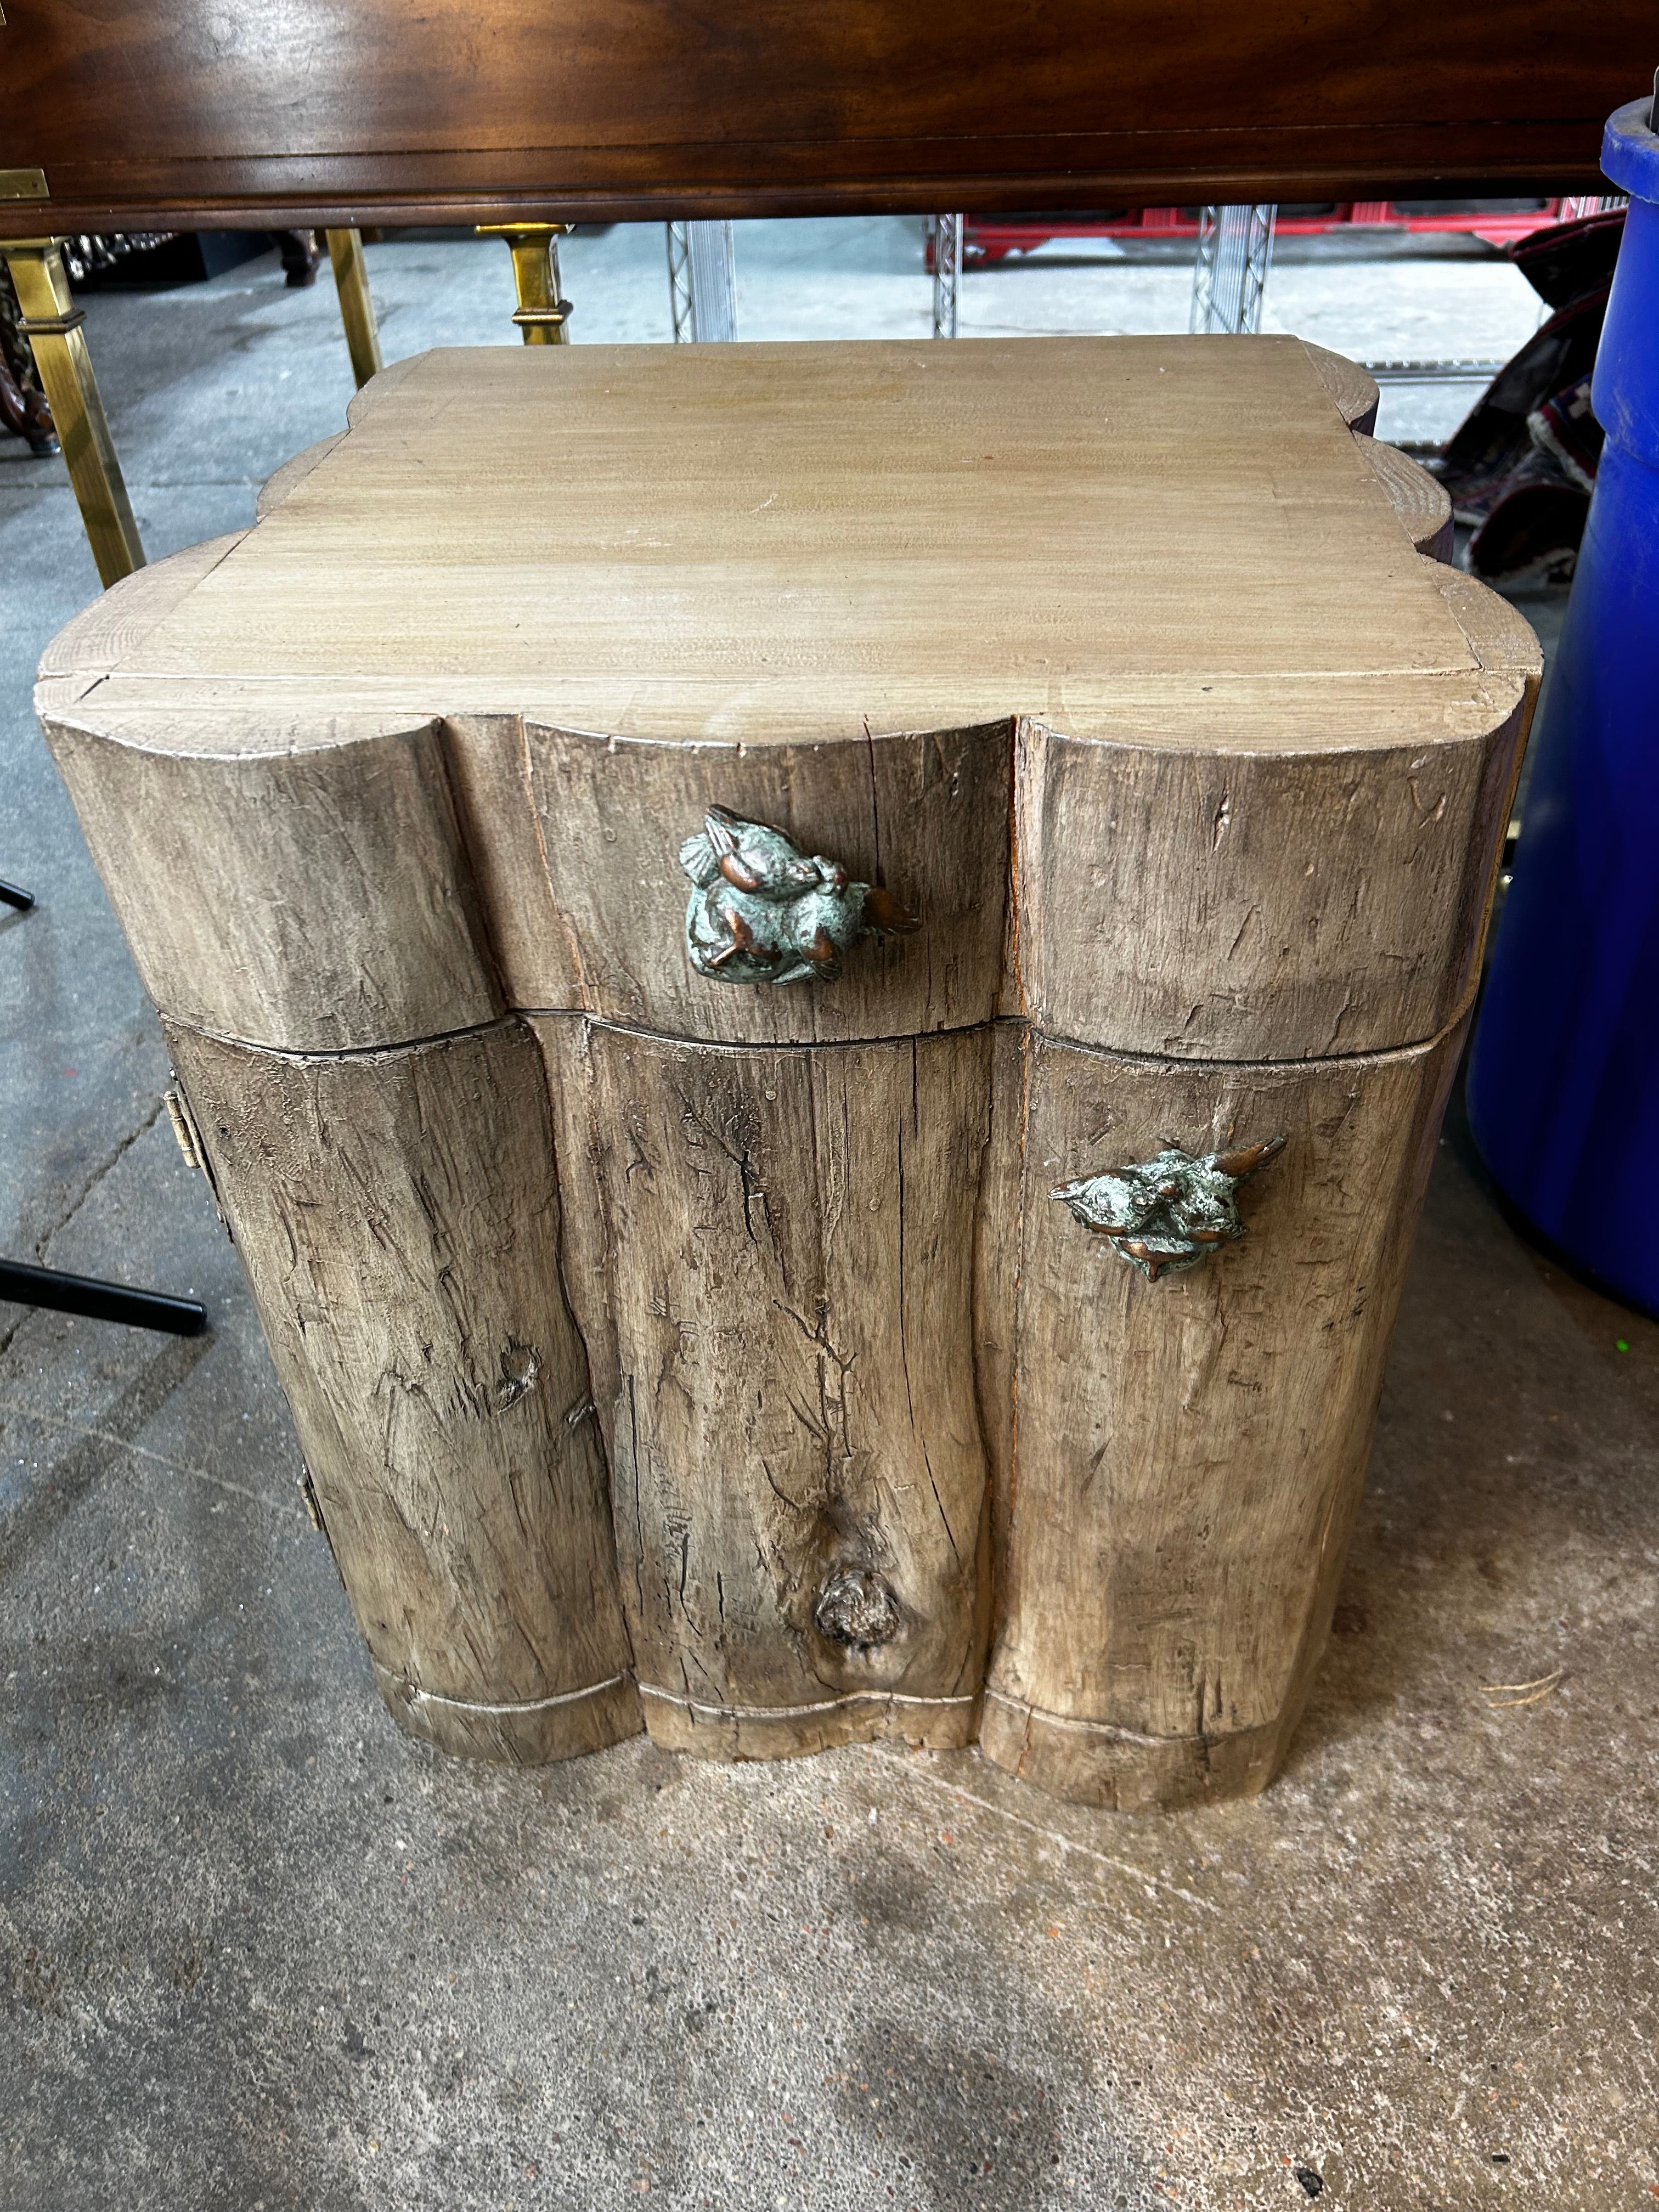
816	982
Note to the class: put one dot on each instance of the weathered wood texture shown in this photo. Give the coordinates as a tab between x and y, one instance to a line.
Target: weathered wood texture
585	1248
1354	390
151	116
1207	902
313	896
1421	501
996	1259
1214	908
398	1219
1209	813
1191	1450
798	1471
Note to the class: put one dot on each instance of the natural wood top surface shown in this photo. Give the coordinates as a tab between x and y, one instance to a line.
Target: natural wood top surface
1170	539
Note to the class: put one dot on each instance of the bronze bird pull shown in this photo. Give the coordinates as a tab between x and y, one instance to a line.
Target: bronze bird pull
762	911
1167	1213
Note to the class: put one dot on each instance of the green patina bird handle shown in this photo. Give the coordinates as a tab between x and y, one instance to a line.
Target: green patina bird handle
762	911
1165	1214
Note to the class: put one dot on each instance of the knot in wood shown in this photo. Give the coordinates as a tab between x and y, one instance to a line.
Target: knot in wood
520	1365
858	1608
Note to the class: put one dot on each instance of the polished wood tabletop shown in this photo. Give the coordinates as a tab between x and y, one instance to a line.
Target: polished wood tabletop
154	113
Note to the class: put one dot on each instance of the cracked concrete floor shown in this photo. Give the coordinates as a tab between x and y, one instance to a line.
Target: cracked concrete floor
261	1952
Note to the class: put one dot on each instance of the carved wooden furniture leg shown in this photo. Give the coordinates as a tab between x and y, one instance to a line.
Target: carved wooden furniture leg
299	253
823	1052
541	314
346	250
52	323
23	409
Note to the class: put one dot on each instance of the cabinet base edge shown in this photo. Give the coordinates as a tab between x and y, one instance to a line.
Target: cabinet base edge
678	1723
1091	1762
532	1732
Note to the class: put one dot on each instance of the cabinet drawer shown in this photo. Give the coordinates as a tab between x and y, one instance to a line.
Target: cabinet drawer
1227	870
925	816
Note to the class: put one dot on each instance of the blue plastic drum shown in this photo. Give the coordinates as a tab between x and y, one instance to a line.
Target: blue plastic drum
1563	1080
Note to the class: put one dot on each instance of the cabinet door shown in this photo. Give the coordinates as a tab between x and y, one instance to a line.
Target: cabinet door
1189	1451
398	1218
797	1467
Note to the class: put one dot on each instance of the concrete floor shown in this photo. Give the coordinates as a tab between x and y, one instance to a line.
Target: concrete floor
261	1952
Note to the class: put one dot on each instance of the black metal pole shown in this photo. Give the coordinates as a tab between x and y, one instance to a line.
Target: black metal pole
25	1285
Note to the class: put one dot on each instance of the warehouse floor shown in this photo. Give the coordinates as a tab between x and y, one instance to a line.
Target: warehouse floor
260	1951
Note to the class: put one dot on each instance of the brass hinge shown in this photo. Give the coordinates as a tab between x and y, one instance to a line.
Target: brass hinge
23	184
308	1498
185	1129
188	1132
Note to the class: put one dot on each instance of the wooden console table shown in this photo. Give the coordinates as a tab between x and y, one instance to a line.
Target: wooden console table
143	116
818	983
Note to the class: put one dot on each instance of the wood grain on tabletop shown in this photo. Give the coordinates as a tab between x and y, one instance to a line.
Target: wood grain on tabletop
108	628
1354	389
1421	501
276	488
398	1219
669	542
1191	1451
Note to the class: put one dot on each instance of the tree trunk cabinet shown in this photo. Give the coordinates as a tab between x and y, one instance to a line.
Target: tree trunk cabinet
816	982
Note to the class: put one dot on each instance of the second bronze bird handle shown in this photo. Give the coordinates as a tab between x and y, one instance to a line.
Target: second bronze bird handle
762	911
1165	1214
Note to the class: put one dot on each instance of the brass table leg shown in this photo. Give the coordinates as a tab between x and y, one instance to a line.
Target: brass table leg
541	313
346	250
52	323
